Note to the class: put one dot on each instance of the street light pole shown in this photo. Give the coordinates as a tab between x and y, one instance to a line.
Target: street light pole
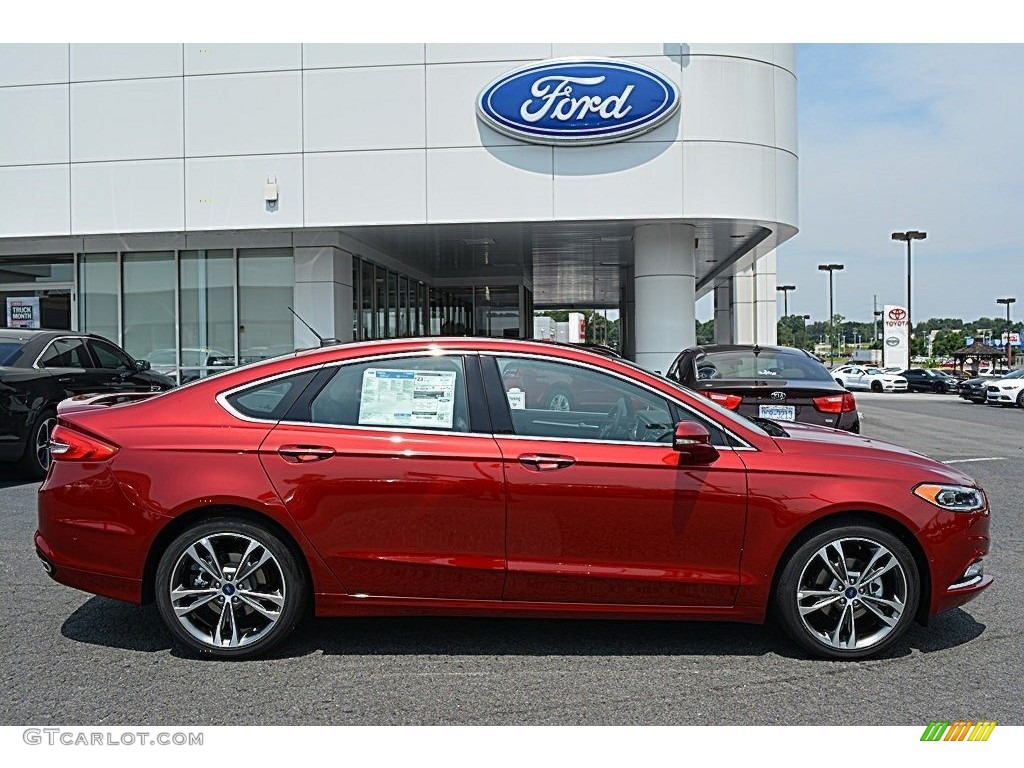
1009	348
805	318
830	268
785	297
908	237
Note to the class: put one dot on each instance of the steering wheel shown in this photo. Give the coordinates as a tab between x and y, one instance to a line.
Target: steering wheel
619	412
649	429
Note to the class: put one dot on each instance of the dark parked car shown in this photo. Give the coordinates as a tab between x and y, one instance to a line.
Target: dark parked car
777	383
929	380
976	389
402	477
39	368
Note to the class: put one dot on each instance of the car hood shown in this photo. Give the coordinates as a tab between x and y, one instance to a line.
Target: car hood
845	450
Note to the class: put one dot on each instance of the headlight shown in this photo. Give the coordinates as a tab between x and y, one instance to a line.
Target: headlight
955	498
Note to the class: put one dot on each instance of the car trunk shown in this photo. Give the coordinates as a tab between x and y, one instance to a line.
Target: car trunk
761	399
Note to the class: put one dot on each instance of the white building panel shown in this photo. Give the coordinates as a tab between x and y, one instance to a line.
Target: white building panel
757	51
33	63
492	184
222	58
326	55
348	187
41	206
589	181
787	189
228	192
127	120
452	90
747	115
243	114
785	56
449	53
34	126
615	50
364	108
785	110
728	181
117	61
140	196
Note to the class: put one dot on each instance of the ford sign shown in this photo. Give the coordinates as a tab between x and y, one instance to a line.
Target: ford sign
578	101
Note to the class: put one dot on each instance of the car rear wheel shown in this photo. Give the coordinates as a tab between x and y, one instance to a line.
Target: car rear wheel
849	592
876	386
36	459
229	588
559	400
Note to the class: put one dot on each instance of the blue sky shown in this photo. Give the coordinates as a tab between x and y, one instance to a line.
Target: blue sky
896	137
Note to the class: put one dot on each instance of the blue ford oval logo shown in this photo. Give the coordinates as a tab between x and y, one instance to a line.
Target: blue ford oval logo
578	101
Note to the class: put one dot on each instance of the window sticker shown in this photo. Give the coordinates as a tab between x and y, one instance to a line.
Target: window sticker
516	399
398	398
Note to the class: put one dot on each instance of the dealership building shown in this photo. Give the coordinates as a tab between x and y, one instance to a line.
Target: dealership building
179	199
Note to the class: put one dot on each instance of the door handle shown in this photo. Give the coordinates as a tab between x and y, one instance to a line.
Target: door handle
298	454
544	462
65	380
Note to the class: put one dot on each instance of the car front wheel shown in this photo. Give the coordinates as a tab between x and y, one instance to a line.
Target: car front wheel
229	588
849	592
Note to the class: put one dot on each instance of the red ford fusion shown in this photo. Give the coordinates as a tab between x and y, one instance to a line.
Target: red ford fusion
422	476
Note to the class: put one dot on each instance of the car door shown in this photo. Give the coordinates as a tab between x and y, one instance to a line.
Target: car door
393	479
600	508
114	369
67	359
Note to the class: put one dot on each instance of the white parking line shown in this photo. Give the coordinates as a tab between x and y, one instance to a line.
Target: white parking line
965	461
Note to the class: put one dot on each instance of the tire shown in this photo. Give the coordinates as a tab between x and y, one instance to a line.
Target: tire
872	617
939	388
237	619
559	400
876	386
36	459
1020	399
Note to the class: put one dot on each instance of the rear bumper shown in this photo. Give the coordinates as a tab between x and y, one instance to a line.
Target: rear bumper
108	585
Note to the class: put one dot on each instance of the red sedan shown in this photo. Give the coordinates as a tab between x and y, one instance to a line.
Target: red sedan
411	476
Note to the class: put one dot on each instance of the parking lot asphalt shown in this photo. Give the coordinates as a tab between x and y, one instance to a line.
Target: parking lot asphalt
70	658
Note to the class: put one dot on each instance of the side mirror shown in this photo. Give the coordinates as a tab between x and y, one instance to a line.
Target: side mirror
693	442
142	365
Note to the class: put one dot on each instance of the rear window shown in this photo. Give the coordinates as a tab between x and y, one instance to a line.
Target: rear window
9	351
766	364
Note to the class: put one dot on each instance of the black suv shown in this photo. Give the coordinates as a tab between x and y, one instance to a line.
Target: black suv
776	383
39	368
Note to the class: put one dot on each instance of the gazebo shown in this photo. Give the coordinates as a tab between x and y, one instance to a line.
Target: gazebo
977	352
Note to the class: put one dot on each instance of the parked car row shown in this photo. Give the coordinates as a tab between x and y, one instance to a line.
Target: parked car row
1005	390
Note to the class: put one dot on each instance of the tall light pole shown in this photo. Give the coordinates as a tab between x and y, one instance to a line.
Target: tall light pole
785	297
830	268
805	318
909	236
1009	349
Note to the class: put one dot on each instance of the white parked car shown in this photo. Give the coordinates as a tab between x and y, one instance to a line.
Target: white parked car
1005	392
868	377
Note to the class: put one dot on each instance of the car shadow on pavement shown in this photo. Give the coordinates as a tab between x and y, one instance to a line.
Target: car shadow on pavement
110	623
10	478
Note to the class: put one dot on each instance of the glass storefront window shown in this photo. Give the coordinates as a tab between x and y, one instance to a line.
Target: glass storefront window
207	315
266	288
149	318
97	294
48	269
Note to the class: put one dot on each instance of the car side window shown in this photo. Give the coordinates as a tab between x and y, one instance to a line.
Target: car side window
415	392
558	400
110	356
65	353
270	400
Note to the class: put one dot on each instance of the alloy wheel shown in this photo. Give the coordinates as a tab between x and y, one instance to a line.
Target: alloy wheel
227	590
42	442
851	594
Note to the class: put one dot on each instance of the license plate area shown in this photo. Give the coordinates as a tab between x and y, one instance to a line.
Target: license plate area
777	412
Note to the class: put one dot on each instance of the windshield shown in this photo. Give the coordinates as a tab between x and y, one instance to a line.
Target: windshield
766	364
9	351
874	372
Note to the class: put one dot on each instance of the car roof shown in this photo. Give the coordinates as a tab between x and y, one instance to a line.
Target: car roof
710	348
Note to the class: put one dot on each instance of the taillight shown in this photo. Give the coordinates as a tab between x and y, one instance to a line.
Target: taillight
67	444
732	402
843	403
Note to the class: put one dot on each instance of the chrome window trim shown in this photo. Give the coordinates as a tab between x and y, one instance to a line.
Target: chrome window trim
222	396
492	353
52	341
